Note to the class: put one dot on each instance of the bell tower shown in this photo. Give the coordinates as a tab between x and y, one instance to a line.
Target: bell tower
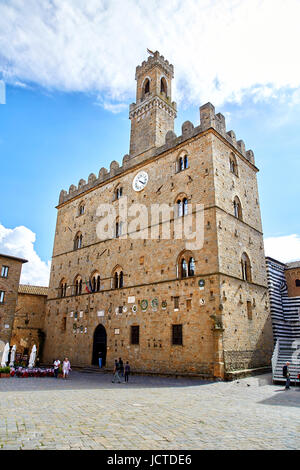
153	114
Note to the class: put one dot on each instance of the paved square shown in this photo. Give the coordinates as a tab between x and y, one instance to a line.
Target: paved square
89	412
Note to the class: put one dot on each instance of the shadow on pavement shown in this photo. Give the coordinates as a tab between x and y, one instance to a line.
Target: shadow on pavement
284	397
81	381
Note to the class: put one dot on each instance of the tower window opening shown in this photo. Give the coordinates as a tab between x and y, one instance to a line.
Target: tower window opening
78	241
182	163
246	268
146	88
118	278
163	86
78	286
185	265
233	165
182	207
237	208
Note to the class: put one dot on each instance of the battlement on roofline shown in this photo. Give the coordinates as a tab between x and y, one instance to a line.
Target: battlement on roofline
155	59
208	119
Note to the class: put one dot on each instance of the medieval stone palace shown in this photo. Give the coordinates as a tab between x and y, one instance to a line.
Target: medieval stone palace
165	304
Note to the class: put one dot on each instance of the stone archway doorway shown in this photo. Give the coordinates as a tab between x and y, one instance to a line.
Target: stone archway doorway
99	345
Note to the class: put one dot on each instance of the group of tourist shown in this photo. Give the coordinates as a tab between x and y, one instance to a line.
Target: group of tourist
121	371
66	367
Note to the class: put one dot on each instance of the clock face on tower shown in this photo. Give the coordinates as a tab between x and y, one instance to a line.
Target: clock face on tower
140	181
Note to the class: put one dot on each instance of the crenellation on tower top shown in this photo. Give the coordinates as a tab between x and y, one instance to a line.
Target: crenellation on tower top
154	60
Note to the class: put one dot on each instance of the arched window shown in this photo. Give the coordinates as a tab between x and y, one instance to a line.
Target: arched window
183	162
179	208
121	279
163	86
182	206
233	164
185	265
146	88
237	208
119	227
184	271
118	278
78	241
186	162
118	192
246	268
95	281
62	292
78	285
185	206
191	269
81	209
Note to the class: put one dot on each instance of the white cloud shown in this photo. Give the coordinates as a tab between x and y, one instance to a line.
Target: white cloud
284	249
19	242
113	107
221	49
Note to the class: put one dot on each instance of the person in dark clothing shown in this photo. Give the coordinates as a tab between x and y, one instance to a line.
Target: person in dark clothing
121	367
287	375
127	371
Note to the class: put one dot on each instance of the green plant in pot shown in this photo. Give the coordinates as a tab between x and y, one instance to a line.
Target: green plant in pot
4	372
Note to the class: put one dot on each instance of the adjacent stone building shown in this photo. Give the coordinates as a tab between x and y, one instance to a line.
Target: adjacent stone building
156	301
10	272
292	274
29	319
284	294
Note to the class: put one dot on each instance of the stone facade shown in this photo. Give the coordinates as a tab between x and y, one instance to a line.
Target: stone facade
29	319
292	274
220	312
10	272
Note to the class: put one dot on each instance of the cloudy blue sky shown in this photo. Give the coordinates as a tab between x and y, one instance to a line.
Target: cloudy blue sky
68	67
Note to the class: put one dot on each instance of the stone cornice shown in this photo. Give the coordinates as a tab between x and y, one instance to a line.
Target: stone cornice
154	101
216	273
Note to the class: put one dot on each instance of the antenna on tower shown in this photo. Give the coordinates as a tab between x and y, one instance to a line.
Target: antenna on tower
150	52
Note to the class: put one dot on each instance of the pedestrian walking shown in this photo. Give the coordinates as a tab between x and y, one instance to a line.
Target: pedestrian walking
121	367
287	375
100	359
66	367
116	372
56	365
127	371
